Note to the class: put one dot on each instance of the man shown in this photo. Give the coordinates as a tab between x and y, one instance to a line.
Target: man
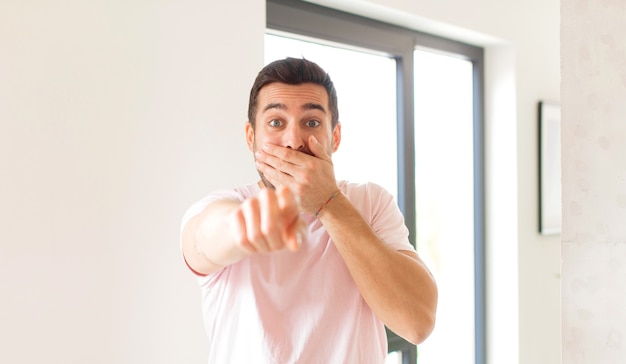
301	268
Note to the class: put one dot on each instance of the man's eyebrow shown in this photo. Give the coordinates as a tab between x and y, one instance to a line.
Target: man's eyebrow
307	106
274	105
313	106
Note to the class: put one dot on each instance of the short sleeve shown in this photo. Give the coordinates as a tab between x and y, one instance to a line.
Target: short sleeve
387	219
380	209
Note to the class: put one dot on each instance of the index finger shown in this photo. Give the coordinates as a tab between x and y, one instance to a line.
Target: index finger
288	202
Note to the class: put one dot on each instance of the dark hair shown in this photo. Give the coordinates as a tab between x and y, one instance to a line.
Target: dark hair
293	71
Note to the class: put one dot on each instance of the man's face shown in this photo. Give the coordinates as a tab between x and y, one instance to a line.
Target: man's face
288	114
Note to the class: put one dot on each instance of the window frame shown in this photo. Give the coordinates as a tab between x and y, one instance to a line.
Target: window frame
311	20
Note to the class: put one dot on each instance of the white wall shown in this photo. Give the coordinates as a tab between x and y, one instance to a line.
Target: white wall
115	116
593	52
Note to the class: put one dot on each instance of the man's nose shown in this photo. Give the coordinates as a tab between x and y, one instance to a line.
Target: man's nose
293	138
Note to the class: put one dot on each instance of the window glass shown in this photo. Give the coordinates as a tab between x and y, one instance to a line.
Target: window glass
444	175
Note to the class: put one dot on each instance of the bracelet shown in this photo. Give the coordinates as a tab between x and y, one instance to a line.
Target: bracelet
326	203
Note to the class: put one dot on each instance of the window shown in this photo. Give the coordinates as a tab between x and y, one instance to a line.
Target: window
420	136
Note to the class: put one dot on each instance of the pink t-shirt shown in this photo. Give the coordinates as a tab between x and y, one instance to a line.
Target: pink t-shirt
303	306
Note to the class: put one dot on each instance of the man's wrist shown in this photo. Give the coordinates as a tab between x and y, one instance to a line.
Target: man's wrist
326	203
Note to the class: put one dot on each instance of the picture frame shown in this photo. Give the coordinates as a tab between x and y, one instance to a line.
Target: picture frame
549	116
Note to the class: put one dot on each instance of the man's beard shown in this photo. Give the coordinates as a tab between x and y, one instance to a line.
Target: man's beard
267	183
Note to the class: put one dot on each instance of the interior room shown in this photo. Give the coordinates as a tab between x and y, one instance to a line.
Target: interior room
116	116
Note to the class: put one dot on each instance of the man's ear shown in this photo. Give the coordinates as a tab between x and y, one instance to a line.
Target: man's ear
250	136
336	137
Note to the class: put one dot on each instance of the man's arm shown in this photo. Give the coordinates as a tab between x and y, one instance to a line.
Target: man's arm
227	230
395	284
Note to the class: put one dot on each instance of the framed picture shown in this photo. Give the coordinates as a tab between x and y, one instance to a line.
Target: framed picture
549	168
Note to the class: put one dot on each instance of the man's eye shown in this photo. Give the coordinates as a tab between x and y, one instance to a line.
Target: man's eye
275	123
312	123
